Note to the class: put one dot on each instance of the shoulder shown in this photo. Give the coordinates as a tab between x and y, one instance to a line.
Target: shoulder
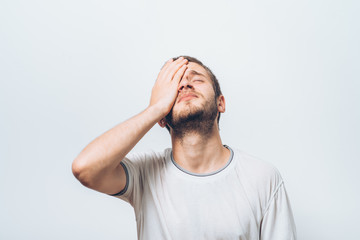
260	179
255	164
147	159
257	172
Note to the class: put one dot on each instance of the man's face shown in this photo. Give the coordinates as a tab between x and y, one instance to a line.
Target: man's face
195	105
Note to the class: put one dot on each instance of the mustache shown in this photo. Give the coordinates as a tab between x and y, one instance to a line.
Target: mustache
187	93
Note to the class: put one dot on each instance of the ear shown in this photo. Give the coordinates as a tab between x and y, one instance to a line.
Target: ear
162	123
221	104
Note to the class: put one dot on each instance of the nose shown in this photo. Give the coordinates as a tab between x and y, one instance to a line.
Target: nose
185	84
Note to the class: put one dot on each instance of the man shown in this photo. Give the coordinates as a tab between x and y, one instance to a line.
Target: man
198	189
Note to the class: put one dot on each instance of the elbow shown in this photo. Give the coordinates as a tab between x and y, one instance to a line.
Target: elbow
81	172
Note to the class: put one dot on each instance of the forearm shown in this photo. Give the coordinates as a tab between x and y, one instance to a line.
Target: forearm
98	165
105	153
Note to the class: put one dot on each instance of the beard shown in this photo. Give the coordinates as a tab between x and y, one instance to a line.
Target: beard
193	119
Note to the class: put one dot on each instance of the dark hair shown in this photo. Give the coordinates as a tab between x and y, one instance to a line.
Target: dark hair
215	82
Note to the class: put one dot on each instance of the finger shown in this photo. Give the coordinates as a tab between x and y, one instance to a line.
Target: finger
164	67
170	69
179	74
173	68
174	62
167	63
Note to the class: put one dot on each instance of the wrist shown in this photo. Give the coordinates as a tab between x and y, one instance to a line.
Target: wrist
157	112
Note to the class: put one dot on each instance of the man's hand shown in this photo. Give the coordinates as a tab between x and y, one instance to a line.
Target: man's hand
165	90
98	165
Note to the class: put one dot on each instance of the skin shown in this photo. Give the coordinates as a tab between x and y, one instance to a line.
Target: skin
98	164
195	151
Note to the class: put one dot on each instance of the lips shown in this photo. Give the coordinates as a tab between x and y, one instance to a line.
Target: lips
187	96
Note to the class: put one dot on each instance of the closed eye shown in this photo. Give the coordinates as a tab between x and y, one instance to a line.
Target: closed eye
198	80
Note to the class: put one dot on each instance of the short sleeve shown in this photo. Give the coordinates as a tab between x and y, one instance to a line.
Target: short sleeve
133	166
278	221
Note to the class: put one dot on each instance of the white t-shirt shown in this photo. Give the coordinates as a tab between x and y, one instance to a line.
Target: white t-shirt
246	199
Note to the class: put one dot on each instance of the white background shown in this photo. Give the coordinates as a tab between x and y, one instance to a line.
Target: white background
71	70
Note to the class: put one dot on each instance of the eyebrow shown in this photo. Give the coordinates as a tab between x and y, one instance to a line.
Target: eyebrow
193	72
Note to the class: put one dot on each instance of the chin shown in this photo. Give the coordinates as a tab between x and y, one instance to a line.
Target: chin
192	116
186	110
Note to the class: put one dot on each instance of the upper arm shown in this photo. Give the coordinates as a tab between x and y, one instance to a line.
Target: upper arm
115	182
108	180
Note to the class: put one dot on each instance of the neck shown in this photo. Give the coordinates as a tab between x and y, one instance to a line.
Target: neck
198	153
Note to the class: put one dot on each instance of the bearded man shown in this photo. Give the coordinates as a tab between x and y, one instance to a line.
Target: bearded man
199	188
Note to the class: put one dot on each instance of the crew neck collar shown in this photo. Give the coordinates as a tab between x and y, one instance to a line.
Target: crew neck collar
203	174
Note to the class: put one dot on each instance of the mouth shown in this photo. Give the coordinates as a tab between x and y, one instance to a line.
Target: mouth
186	97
